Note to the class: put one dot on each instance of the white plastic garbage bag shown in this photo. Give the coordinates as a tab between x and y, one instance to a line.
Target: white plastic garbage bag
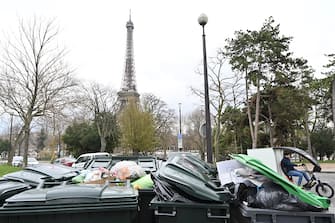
127	170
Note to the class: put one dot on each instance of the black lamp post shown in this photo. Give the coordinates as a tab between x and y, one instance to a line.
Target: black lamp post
11	132
179	118
180	142
203	19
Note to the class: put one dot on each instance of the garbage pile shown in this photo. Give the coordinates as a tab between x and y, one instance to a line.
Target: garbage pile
257	186
183	188
120	171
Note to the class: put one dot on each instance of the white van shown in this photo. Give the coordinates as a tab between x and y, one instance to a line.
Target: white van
17	161
83	158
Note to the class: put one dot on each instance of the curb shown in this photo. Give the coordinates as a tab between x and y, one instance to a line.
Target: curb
328	171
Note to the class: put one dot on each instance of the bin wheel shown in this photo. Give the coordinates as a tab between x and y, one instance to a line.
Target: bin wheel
324	190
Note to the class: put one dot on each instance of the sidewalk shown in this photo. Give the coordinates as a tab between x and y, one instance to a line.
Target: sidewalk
327	167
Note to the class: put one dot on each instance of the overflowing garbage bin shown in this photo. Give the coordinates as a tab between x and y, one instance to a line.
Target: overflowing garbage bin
264	196
185	192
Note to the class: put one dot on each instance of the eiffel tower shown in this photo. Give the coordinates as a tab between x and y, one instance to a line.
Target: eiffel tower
128	87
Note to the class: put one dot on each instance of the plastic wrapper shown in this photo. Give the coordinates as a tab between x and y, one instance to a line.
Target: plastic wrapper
96	176
143	183
81	177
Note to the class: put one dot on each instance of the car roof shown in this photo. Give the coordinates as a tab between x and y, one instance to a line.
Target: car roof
97	153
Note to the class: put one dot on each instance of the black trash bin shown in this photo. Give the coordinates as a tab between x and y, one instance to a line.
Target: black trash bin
149	165
191	182
145	213
72	203
186	193
245	214
177	212
9	188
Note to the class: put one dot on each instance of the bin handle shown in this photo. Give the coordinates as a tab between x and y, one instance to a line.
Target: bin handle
209	215
172	214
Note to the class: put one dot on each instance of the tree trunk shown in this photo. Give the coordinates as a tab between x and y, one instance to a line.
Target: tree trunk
17	141
11	154
249	111
270	126
103	144
26	145
216	139
333	105
308	136
258	96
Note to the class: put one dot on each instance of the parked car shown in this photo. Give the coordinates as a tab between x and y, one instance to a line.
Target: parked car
66	161
148	163
18	161
98	162
32	161
83	158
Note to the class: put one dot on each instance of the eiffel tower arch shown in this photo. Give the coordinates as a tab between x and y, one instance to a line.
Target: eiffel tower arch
128	89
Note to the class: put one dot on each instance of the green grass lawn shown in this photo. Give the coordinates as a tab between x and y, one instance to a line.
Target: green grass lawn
327	161
4	169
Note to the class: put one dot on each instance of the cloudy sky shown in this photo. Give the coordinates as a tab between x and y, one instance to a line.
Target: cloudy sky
167	36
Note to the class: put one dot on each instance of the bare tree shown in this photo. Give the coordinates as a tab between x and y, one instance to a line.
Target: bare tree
193	139
102	103
164	118
224	90
34	79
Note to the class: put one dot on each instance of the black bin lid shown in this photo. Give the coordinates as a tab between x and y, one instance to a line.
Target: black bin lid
73	195
195	184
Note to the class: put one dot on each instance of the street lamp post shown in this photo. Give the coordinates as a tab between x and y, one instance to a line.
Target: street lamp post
202	20
11	132
179	118
180	138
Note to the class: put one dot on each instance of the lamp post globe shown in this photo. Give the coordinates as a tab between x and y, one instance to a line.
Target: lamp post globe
203	19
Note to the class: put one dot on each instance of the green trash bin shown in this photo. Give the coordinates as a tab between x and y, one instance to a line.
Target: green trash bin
177	212
72	203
